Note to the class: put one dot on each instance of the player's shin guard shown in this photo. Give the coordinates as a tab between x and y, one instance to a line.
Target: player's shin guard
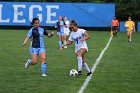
86	67
60	43
79	63
43	68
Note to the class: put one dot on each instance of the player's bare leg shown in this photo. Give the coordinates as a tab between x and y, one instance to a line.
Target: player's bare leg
33	61
60	42
65	40
80	56
129	34
85	65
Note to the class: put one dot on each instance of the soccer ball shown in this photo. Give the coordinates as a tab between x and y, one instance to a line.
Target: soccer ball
126	25
73	73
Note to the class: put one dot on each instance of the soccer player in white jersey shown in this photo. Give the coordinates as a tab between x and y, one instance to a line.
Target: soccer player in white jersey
66	30
79	37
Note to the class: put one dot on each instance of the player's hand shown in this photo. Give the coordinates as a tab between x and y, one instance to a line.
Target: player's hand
52	33
23	44
55	26
82	39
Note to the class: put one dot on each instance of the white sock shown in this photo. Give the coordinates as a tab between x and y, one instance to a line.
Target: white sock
86	67
79	63
65	42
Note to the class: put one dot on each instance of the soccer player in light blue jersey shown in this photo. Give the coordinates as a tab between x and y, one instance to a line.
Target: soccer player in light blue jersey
60	31
37	34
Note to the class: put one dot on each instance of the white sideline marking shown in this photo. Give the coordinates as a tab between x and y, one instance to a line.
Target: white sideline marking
83	87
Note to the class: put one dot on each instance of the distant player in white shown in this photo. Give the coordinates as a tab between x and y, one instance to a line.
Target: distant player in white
79	37
66	30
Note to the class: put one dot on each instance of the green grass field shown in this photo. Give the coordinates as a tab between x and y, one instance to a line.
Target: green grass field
118	71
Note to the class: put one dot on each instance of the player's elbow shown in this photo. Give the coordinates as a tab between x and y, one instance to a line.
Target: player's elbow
88	36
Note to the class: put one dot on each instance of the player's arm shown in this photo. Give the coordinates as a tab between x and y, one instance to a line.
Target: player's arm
47	34
56	26
134	27
50	35
69	42
25	41
29	35
86	36
118	24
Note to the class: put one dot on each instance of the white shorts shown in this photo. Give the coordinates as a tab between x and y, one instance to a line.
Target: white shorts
66	32
82	46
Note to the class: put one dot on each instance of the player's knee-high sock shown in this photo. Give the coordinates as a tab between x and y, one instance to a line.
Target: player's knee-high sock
86	67
43	68
65	42
60	43
29	61
79	63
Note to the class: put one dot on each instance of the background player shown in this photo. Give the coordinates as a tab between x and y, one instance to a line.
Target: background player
79	37
66	30
114	27
37	34
60	31
129	27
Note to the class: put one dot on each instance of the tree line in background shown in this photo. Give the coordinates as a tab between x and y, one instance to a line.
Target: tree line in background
124	8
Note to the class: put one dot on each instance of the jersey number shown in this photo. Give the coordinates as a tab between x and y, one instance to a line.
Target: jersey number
77	41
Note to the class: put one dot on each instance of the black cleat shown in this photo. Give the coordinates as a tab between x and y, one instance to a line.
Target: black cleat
88	74
79	73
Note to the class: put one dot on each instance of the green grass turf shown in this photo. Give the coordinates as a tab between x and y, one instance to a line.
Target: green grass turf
118	71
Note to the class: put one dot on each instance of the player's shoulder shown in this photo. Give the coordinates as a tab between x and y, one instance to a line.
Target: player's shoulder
113	20
31	29
132	21
81	30
41	28
67	21
127	22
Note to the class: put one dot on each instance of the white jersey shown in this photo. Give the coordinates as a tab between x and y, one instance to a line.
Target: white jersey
76	37
66	29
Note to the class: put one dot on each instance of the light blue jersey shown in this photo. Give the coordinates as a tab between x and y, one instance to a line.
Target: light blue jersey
60	28
37	35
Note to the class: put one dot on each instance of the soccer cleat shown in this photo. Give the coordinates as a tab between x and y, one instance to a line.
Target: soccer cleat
44	75
129	40
65	46
27	63
79	73
88	74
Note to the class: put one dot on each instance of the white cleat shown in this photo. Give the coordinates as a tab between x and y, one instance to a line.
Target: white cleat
27	63
65	46
44	75
129	40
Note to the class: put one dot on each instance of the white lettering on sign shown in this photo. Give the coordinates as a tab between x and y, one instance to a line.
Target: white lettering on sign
2	20
31	8
21	13
17	14
50	14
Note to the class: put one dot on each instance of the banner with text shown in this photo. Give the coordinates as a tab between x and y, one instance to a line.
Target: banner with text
85	14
